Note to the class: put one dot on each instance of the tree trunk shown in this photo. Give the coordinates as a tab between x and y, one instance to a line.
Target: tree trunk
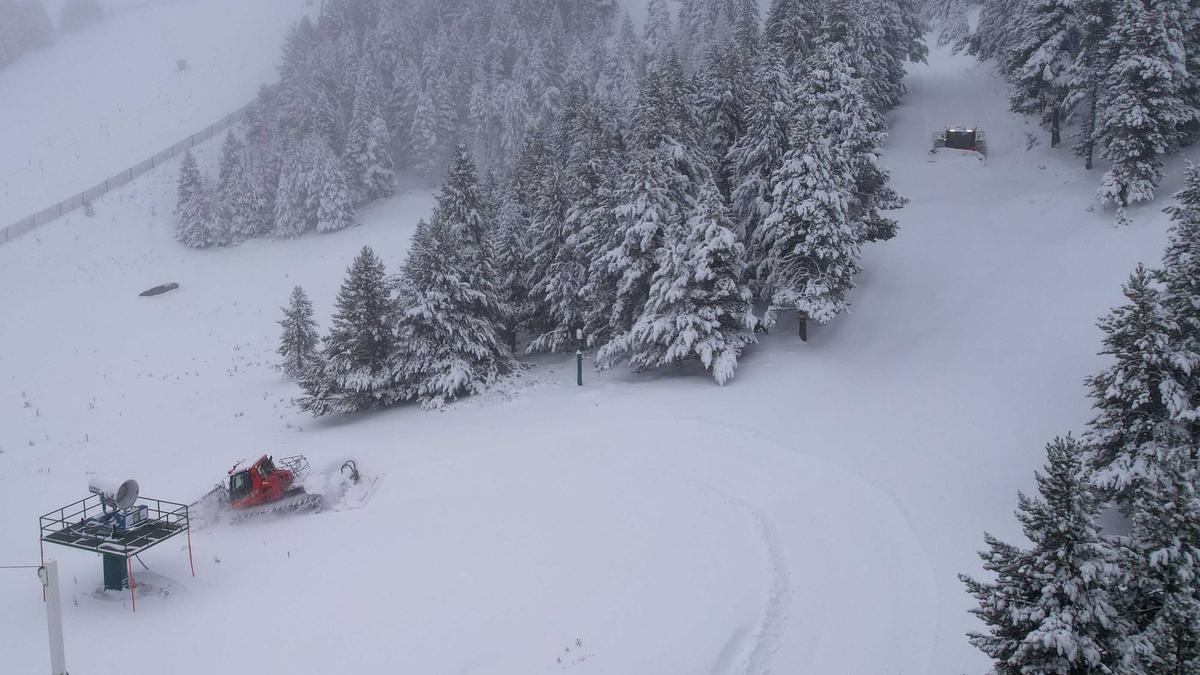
1055	132
1089	131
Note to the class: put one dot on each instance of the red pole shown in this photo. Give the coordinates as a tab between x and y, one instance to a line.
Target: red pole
132	597
190	563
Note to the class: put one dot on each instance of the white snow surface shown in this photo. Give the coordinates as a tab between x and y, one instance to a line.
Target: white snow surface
809	517
109	96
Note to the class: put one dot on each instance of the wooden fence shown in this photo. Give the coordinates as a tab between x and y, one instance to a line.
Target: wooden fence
73	202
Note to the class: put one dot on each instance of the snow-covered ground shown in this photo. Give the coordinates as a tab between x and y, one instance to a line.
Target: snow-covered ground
109	96
808	518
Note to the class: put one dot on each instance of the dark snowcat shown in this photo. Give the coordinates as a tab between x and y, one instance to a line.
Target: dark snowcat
965	138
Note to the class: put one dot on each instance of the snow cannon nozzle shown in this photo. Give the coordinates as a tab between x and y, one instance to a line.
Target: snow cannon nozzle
115	494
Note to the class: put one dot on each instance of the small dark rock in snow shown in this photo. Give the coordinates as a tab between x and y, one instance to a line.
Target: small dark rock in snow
159	290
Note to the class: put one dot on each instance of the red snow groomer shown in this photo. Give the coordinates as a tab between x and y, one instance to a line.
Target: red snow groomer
259	489
265	487
264	483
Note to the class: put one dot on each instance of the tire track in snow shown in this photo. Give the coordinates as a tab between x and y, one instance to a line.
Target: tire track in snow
769	631
774	619
769	634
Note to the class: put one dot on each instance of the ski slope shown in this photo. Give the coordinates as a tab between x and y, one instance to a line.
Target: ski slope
109	96
810	517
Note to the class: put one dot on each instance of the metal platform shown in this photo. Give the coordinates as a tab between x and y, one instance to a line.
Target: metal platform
69	526
74	525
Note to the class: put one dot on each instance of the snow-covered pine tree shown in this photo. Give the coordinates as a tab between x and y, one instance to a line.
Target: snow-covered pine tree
250	208
461	204
484	116
1042	59
1140	395
809	245
1011	586
705	23
508	240
760	150
354	371
1053	609
906	29
580	65
647	205
620	75
656	189
535	160
592	175
290	211
699	305
573	224
450	343
948	20
1181	19
792	28
1190	26
657	33
891	32
1147	438
334	209
1163	565
194	206
231	172
423	135
367	158
836	104
725	85
312	190
547	261
1088	73
1180	280
1180	275
231	162
1141	105
298	346
997	30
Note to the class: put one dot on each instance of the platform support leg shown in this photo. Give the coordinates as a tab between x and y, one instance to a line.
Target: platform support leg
190	563
49	576
132	595
115	572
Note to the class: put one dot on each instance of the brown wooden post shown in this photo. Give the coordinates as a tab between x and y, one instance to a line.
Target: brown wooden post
803	317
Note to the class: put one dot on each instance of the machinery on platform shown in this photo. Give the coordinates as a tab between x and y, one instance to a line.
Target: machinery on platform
116	521
119	508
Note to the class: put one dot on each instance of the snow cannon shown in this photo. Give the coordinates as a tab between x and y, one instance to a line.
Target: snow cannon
117	522
117	495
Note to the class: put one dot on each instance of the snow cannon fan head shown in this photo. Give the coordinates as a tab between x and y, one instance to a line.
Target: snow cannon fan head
114	494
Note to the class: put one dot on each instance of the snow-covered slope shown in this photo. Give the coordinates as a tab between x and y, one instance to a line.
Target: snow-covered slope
109	96
808	518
